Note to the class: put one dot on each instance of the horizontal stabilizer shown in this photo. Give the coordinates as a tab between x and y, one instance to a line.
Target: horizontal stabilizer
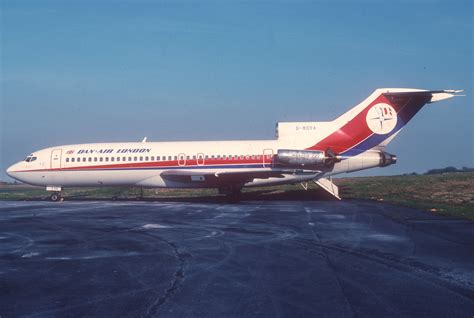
432	96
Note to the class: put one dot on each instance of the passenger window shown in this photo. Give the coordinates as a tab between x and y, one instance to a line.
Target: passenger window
212	157
206	157
78	159
169	157
112	158
129	158
90	159
124	158
101	159
157	158
118	158
152	158
187	157
106	158
141	158
175	157
194	157
67	159
135	158
72	159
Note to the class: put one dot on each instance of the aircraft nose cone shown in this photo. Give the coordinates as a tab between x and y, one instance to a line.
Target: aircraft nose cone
11	171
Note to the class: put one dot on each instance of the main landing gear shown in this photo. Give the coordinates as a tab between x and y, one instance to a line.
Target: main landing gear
232	192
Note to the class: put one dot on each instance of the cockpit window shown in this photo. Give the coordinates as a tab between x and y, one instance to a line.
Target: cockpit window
29	158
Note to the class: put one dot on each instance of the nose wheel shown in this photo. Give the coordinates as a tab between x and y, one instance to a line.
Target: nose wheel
55	196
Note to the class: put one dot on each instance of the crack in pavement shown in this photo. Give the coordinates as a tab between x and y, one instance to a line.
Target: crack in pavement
178	277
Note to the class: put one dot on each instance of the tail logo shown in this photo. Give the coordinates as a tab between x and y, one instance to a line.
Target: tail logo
381	118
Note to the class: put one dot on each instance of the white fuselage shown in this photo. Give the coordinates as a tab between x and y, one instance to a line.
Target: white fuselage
354	141
141	164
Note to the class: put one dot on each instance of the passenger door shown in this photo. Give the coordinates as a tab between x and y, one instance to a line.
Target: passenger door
56	158
181	159
200	159
267	158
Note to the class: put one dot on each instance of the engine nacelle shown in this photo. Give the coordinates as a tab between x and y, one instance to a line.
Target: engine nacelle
387	159
309	159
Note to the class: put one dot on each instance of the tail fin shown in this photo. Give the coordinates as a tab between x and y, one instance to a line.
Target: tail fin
375	122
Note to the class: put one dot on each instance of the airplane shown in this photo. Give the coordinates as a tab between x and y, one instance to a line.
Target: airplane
302	152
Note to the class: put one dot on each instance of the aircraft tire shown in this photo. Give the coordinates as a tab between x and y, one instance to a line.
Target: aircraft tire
55	197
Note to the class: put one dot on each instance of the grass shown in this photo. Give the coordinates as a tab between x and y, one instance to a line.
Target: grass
450	194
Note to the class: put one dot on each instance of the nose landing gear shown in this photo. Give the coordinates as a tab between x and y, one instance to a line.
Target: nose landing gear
55	196
55	193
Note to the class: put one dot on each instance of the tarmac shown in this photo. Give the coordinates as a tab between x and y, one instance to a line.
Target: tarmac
252	259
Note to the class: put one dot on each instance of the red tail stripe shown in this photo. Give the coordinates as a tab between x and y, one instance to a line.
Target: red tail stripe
352	132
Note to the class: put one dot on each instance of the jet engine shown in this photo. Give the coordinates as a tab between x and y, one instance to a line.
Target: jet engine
309	159
387	159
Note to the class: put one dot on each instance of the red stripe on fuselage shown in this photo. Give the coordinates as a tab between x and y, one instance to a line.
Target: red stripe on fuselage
161	164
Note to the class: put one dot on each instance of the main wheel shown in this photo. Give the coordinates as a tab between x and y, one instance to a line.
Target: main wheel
234	197
56	196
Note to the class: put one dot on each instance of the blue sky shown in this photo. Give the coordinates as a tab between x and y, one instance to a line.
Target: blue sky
95	71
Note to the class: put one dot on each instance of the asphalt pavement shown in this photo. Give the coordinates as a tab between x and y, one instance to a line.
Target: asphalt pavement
252	259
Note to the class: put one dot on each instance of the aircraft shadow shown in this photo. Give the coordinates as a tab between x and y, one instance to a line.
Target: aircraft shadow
260	195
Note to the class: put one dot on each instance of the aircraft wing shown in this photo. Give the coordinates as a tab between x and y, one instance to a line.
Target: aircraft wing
219	178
